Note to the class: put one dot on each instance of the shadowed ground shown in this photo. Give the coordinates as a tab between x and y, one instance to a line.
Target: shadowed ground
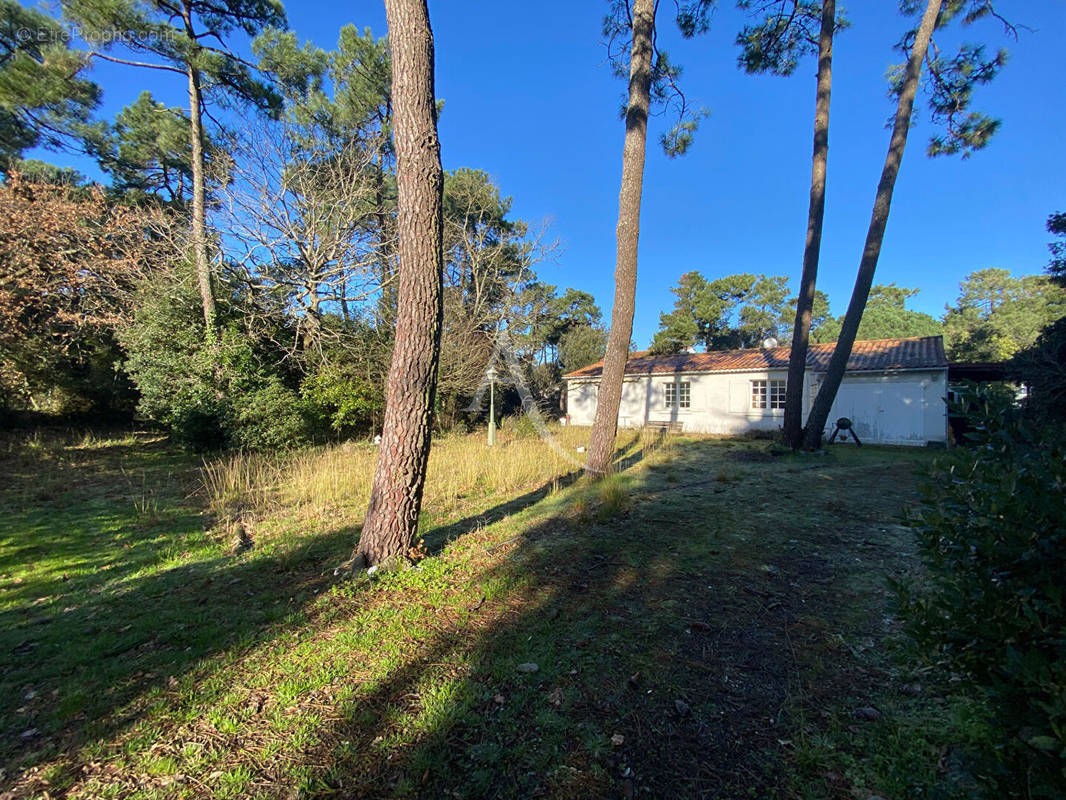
704	624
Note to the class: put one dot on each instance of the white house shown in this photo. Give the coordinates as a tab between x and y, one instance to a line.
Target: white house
894	390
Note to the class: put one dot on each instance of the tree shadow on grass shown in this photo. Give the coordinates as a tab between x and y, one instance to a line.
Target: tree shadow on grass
626	456
663	669
666	633
650	678
98	620
669	642
105	626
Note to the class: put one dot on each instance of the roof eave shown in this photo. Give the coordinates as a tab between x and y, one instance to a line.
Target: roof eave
930	368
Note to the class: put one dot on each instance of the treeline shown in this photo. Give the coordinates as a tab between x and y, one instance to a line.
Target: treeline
235	277
995	317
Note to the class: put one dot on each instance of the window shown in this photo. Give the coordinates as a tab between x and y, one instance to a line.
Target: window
768	394
678	395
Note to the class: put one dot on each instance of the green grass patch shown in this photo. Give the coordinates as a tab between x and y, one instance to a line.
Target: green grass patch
702	623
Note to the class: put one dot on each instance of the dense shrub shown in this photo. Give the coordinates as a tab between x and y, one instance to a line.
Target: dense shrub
225	392
347	402
81	380
1043	369
269	416
992	604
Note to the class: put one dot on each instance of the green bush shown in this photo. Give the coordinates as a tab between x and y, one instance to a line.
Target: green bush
270	416
166	360
1043	368
76	378
992	604
520	426
227	391
346	402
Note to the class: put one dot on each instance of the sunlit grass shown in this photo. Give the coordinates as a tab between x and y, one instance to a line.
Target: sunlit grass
321	481
170	665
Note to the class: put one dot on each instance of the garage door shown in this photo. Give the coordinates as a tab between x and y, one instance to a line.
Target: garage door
889	413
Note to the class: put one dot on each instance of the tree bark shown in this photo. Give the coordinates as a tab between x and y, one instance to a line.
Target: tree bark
876	232
396	497
199	203
605	424
199	192
312	328
801	330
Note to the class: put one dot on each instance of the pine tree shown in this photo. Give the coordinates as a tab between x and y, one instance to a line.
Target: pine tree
952	82
186	38
43	99
609	398
776	45
396	497
838	363
652	77
146	151
733	311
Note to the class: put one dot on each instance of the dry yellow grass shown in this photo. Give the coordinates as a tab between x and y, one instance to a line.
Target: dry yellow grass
462	469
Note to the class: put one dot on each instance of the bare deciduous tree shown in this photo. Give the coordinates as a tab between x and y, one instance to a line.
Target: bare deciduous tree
298	214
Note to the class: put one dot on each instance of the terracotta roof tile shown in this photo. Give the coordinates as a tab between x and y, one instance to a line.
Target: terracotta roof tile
925	352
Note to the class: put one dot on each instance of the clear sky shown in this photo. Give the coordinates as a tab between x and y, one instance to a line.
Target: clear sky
529	98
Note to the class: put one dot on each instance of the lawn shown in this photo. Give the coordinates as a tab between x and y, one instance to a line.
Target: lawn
712	621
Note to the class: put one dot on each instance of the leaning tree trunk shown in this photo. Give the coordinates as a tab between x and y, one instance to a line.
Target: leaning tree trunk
605	425
396	497
199	199
875	234
801	330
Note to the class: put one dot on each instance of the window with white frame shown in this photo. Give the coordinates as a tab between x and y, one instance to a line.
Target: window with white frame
678	395
768	394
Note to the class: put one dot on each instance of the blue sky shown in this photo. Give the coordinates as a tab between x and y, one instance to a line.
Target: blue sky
530	99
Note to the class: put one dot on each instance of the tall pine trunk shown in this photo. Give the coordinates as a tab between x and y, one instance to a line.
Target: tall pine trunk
875	235
605	425
396	497
199	203
199	191
801	330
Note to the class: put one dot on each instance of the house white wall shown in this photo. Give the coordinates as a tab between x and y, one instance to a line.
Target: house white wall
901	407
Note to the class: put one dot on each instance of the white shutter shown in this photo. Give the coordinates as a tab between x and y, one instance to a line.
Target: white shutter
739	396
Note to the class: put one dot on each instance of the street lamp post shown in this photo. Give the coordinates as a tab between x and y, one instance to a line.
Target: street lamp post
492	406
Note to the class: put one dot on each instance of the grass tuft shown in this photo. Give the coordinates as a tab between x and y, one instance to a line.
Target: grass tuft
614	496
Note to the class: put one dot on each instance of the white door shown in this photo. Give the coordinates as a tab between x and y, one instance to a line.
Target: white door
859	403
900	412
882	412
